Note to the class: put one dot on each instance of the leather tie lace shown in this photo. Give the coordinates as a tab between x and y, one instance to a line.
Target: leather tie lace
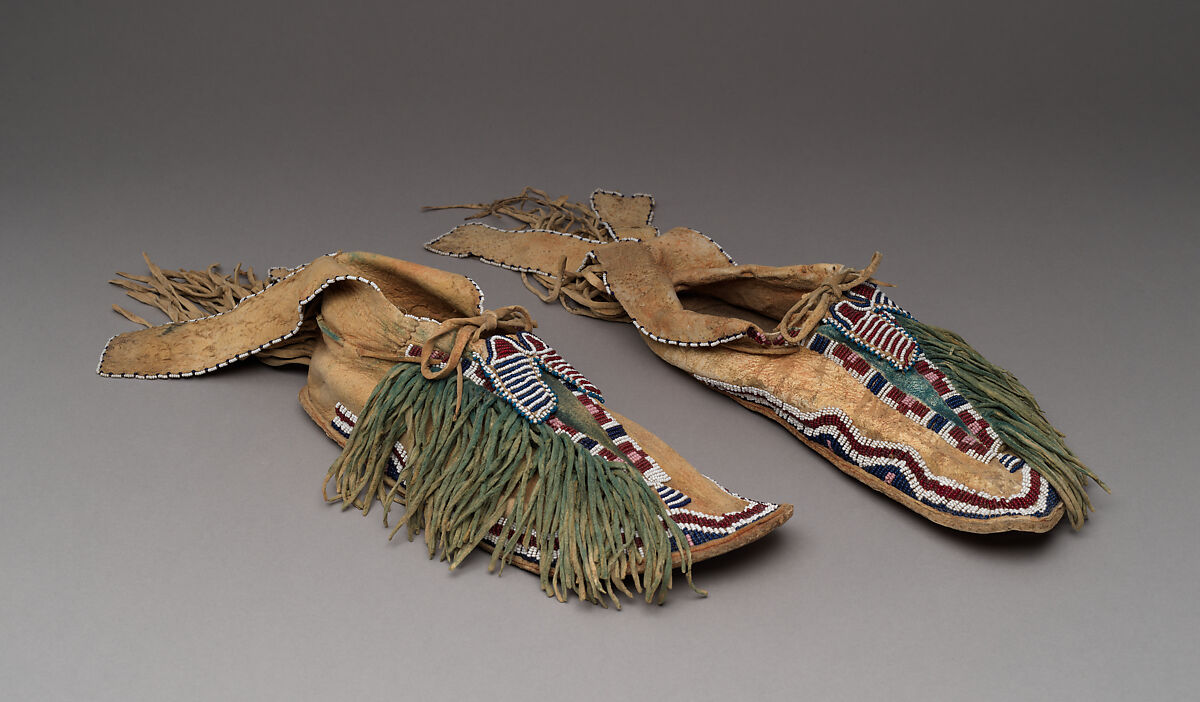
467	330
813	306
580	292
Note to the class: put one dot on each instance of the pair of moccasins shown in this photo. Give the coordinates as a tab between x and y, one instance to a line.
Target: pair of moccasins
490	439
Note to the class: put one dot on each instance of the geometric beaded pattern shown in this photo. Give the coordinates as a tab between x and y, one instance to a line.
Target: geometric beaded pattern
558	366
646	465
700	527
514	366
874	328
1012	462
978	426
878	299
517	377
901	465
980	443
671	497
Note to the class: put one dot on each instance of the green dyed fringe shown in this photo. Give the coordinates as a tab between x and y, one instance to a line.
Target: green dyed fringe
468	469
1013	413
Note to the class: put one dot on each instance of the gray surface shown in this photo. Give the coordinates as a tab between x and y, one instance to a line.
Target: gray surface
1030	173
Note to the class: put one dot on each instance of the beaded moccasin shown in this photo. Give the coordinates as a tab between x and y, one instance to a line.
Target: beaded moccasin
906	408
487	435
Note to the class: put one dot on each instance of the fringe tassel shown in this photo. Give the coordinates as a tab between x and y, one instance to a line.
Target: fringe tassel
536	210
1013	413
185	295
467	469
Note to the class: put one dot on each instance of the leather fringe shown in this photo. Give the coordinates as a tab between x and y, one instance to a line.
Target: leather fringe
185	295
537	210
1012	411
595	523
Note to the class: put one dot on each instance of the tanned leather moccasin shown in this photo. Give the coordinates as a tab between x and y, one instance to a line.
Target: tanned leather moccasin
906	408
479	427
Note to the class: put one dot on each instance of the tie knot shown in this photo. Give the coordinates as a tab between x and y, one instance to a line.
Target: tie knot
464	331
811	308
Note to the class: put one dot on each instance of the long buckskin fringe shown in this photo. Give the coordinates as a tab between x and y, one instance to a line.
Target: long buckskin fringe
1012	411
185	295
537	210
469	468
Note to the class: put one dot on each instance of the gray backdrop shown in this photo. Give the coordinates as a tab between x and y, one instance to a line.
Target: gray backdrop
1029	172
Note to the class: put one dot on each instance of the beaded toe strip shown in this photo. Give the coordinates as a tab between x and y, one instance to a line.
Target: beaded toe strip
901	465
